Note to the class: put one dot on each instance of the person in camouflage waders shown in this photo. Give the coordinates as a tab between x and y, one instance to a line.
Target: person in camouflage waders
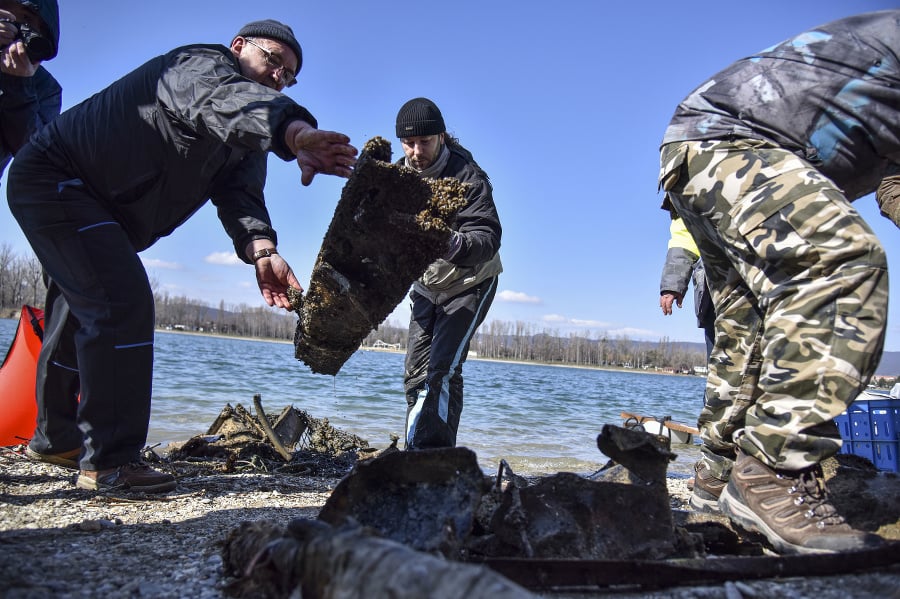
762	162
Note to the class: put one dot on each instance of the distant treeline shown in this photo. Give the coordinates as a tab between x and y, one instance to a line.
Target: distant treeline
494	340
21	283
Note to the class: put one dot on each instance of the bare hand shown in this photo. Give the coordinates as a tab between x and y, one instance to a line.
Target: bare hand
667	298
274	275
326	152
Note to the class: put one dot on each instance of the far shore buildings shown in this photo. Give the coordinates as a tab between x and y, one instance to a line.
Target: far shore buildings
379	344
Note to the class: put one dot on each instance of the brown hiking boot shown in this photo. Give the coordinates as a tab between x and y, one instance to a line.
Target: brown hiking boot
706	491
66	459
136	476
790	508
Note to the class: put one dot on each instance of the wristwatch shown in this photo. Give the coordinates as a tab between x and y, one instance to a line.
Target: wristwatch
264	253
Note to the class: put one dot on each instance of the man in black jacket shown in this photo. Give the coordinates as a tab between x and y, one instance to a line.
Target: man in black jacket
127	166
452	298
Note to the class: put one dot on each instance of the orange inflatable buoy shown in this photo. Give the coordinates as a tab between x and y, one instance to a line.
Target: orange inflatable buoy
18	407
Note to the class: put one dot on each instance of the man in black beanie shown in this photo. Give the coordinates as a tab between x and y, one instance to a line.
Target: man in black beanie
452	298
127	166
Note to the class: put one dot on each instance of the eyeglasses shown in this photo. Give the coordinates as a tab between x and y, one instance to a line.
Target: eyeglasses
288	77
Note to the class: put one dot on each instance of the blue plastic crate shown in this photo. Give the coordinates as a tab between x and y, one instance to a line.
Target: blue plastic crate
870	428
885	456
843	423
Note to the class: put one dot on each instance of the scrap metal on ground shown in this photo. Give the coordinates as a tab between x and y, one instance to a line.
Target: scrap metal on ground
404	517
293	441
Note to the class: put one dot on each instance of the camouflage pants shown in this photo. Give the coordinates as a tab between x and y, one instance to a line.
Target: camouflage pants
799	283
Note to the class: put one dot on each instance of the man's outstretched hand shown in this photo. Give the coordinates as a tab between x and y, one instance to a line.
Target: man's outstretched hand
274	276
325	152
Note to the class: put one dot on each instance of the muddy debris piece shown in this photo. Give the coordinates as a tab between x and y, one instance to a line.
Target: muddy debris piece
623	512
438	500
313	560
425	499
389	225
292	441
568	516
636	456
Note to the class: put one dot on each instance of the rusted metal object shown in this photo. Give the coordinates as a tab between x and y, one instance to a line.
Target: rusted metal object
313	560
425	499
389	225
561	574
643	455
621	511
292	438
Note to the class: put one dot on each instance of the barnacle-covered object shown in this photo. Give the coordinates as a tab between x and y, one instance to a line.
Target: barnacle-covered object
389	225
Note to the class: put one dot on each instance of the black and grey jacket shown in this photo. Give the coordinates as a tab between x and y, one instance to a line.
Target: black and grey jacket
478	256
183	128
681	267
829	95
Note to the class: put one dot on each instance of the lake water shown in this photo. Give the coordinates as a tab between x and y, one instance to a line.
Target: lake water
540	419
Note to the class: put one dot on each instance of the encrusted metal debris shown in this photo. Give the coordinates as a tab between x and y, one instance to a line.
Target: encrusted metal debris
425	499
378	533
389	225
292	441
314	560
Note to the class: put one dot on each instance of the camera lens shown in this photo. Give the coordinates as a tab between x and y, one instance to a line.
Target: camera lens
37	46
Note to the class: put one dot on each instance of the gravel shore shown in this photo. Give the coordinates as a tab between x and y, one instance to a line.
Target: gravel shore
59	541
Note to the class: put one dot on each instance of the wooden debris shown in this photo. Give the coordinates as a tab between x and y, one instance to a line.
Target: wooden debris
389	225
663	426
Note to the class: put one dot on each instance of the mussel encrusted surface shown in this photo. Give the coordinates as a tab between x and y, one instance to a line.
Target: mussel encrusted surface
389	225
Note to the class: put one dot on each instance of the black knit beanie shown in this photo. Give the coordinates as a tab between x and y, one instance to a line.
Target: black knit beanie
419	116
272	29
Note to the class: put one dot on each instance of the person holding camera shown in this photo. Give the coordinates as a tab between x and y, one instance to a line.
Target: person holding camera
29	95
127	166
29	99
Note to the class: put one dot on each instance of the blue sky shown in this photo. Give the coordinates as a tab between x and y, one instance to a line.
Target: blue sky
563	104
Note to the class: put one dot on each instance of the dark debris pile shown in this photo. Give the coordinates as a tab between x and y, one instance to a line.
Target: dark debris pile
293	442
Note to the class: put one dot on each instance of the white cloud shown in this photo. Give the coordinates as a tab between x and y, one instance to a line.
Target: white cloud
591	324
554	319
223	258
635	334
517	297
581	323
154	263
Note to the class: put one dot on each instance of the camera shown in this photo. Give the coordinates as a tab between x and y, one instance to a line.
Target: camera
37	46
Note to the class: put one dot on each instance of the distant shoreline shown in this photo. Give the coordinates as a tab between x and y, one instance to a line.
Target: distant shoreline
401	351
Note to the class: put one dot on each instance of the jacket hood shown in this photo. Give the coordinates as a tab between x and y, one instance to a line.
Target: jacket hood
49	13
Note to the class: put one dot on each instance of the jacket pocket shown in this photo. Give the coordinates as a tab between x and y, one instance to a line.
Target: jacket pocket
672	158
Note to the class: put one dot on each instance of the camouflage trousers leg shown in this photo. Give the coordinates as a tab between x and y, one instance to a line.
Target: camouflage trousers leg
799	283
